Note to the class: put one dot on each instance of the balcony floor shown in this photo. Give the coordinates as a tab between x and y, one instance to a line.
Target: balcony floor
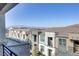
20	48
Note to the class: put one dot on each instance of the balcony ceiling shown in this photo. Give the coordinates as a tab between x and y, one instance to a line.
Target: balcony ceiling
2	5
5	7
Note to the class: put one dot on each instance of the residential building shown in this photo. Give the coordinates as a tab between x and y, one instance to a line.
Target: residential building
73	42
50	44
31	35
35	38
21	34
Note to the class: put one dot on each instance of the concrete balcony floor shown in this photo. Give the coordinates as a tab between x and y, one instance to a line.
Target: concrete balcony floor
20	48
1	52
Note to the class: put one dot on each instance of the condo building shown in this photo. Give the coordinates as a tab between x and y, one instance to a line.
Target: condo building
21	34
55	42
51	44
31	35
35	40
73	42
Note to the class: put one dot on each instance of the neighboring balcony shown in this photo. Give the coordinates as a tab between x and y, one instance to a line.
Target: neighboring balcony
74	38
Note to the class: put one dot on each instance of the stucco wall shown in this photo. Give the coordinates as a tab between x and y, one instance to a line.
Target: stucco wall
2	28
45	44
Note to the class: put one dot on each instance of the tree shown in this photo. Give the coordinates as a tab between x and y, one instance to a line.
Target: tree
39	53
35	51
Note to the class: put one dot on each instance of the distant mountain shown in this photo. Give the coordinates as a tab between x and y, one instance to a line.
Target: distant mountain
26	27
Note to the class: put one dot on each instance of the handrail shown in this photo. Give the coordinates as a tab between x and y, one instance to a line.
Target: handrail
19	45
10	53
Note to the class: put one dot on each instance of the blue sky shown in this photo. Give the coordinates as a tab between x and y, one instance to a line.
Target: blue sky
43	15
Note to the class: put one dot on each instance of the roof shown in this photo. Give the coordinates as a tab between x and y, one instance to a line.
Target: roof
64	31
2	5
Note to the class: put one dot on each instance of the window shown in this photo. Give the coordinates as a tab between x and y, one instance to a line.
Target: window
35	38
26	34
62	42
35	45
18	35
23	36
42	48
49	52
50	41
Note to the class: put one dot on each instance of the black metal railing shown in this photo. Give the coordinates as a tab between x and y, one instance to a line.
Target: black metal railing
7	51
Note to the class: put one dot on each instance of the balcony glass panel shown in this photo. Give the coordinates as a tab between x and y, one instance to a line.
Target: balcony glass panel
42	37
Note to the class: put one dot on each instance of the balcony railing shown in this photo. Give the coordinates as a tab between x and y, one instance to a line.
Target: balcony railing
64	52
7	51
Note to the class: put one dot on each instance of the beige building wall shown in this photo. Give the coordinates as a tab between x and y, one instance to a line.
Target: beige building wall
69	42
19	34
37	38
71	38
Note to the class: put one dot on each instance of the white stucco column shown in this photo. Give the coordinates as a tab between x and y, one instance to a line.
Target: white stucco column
4	9
2	32
2	28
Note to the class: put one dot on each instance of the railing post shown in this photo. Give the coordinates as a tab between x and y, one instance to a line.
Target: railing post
3	49
10	53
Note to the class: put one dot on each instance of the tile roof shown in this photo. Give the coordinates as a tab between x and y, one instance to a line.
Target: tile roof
64	31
